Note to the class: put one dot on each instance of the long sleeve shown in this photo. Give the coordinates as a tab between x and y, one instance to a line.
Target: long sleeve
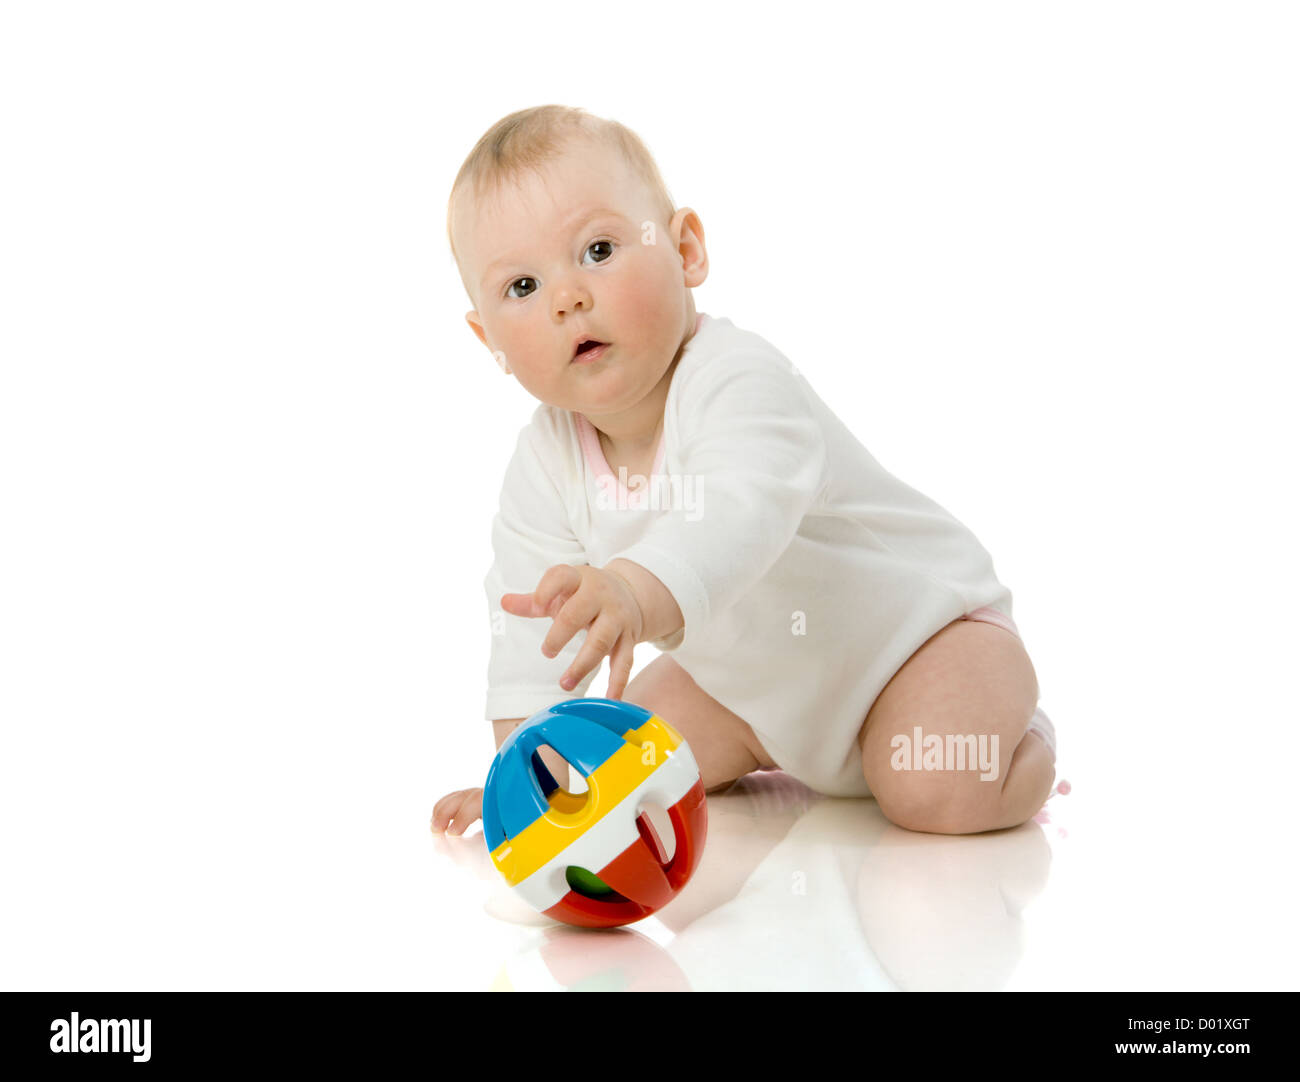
753	449
530	533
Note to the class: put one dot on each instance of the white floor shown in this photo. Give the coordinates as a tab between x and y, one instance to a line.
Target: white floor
283	865
798	891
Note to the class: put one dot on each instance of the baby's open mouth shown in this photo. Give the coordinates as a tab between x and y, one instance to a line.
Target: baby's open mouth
587	347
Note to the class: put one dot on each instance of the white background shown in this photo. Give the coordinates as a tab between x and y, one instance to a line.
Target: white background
1041	258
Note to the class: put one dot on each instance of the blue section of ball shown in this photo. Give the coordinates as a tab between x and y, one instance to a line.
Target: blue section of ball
518	783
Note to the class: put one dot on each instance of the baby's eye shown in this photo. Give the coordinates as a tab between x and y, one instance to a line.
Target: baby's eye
510	288
601	244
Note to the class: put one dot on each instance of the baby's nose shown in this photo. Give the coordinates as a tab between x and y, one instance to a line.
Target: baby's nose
571	298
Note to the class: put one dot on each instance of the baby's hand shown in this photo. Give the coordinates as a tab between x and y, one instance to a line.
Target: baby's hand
461	807
586	597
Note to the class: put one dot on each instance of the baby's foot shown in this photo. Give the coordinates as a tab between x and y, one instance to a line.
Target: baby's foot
1041	725
1062	788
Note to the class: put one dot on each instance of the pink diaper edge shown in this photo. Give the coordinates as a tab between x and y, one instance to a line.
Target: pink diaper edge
985	614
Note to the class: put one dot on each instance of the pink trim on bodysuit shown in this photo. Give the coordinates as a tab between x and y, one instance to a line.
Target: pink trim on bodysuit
992	616
589	440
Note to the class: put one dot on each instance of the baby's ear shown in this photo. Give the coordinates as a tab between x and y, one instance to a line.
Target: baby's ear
688	233
477	327
497	355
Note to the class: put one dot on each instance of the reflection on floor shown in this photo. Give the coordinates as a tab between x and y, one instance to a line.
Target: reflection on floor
801	891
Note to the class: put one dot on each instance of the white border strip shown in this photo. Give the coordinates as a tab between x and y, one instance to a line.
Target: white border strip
613	832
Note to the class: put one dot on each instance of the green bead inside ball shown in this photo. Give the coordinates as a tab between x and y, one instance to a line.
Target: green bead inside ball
585	882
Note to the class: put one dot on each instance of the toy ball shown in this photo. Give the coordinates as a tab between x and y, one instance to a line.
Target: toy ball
594	859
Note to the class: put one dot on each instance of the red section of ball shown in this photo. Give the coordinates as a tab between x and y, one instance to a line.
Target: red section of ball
641	881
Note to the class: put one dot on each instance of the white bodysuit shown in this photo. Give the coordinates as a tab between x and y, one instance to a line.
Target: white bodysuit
806	574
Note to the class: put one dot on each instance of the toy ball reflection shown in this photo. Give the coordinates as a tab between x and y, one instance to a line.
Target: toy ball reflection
595	859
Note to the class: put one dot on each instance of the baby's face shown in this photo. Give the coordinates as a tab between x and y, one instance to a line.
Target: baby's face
572	253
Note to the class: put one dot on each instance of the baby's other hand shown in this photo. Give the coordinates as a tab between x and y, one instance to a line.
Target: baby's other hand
459	810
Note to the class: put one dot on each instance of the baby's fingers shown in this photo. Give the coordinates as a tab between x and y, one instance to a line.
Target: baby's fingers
620	667
521	605
470	809
602	636
556	586
458	811
442	811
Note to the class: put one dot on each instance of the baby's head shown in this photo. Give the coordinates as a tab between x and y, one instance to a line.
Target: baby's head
563	230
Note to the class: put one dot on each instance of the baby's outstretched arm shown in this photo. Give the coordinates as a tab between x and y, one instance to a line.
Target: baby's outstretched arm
619	606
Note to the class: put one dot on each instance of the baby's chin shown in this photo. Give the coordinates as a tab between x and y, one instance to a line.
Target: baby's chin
613	391
598	405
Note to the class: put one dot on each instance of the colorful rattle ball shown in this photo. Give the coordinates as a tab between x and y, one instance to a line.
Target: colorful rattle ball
595	859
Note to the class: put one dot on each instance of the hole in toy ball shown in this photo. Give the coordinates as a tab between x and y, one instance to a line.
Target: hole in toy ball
550	767
656	830
585	882
555	782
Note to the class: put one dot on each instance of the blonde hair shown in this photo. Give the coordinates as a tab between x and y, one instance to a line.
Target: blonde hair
526	140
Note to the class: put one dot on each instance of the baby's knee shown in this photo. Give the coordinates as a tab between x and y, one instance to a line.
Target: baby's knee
938	803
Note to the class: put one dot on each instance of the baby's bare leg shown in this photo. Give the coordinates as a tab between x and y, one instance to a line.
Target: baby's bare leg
723	744
970	679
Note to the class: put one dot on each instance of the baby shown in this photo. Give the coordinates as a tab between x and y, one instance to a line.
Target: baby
682	484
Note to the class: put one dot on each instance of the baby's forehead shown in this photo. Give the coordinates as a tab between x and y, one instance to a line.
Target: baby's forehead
511	216
554	194
582	167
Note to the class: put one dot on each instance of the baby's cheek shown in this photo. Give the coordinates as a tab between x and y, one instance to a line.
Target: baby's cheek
520	354
651	301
